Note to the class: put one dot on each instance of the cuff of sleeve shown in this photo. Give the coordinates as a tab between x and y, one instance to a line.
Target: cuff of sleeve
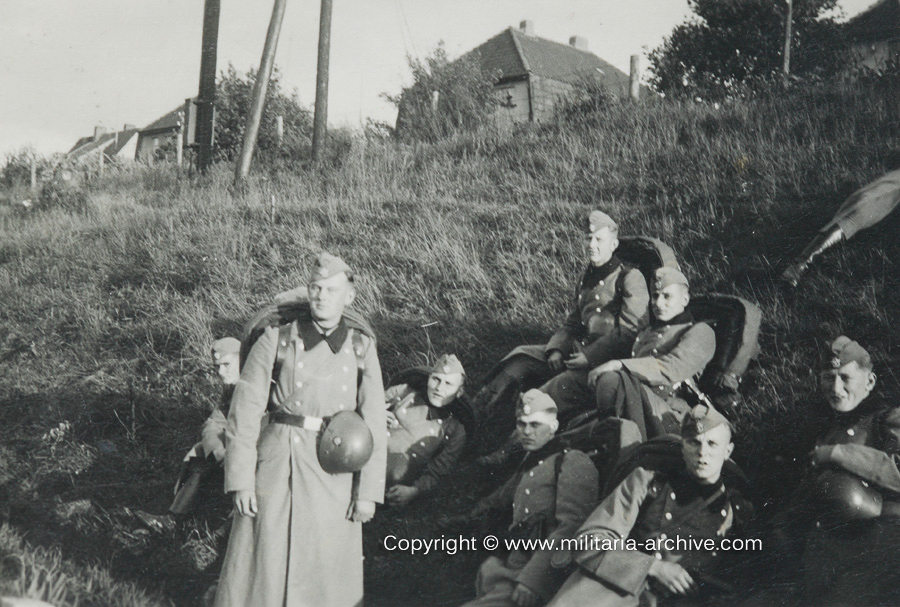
623	569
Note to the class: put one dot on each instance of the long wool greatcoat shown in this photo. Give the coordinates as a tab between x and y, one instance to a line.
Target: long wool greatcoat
656	506
300	550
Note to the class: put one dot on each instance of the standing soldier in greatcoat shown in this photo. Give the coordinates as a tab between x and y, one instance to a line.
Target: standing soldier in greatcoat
297	533
609	309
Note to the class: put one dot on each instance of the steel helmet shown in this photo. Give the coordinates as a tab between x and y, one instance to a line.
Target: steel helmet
345	444
846	497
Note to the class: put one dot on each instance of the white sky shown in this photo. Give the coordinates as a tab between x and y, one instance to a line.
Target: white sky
67	66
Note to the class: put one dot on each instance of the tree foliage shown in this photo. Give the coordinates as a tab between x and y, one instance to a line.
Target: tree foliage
233	95
446	97
730	43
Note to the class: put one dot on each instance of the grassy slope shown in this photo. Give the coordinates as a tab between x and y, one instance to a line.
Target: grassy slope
107	314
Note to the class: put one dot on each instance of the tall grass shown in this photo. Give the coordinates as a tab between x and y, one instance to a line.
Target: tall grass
108	312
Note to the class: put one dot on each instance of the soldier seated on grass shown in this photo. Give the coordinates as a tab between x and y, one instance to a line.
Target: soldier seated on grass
657	535
844	517
549	495
202	474
673	349
609	308
425	440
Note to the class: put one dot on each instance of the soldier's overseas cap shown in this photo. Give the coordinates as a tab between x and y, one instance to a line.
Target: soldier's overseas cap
535	401
844	350
666	276
225	346
328	265
599	220
448	363
700	419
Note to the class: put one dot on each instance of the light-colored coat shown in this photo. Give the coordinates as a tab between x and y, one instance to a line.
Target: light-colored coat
300	550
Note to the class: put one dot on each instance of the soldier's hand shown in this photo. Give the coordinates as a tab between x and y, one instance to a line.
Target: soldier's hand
577	361
398	495
245	503
361	511
392	421
524	597
555	361
596	372
672	576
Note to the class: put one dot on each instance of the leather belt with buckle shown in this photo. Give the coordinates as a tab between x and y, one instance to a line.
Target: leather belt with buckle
307	422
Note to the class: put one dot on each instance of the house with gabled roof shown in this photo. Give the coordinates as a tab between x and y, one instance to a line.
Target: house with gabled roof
157	140
115	146
535	73
874	36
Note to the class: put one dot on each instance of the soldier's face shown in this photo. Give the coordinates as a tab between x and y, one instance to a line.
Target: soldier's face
705	454
847	386
669	302
601	246
533	433
443	388
227	367
328	297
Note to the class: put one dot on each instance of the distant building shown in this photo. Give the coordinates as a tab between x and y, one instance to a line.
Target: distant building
875	36
158	140
535	73
115	146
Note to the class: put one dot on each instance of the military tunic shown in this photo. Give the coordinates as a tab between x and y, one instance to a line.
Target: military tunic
855	562
608	310
428	443
662	356
549	498
300	549
652	506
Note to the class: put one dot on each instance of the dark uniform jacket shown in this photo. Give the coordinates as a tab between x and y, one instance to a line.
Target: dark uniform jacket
653	505
550	494
603	324
428	443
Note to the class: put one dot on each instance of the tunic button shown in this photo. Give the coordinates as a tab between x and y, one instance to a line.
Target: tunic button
346	350
600	283
296	439
655	351
531	473
346	369
597	296
599	309
662	536
724	512
283	344
668	516
714	554
421	444
300	365
540	462
528	492
638	338
526	510
299	384
850	431
413	454
440	421
672	495
344	388
341	407
658	556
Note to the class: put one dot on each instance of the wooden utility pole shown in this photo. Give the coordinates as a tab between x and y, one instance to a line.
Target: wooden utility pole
634	80
251	128
786	68
206	98
320	117
33	171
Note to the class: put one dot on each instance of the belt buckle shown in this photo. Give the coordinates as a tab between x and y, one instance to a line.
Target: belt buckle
312	423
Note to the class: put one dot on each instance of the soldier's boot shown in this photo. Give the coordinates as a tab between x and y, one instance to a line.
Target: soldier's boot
822	242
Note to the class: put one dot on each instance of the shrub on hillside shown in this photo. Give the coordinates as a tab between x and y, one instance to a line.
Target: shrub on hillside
233	95
446	97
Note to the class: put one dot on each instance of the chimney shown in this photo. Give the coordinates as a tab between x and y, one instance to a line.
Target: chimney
129	127
527	27
100	131
579	42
